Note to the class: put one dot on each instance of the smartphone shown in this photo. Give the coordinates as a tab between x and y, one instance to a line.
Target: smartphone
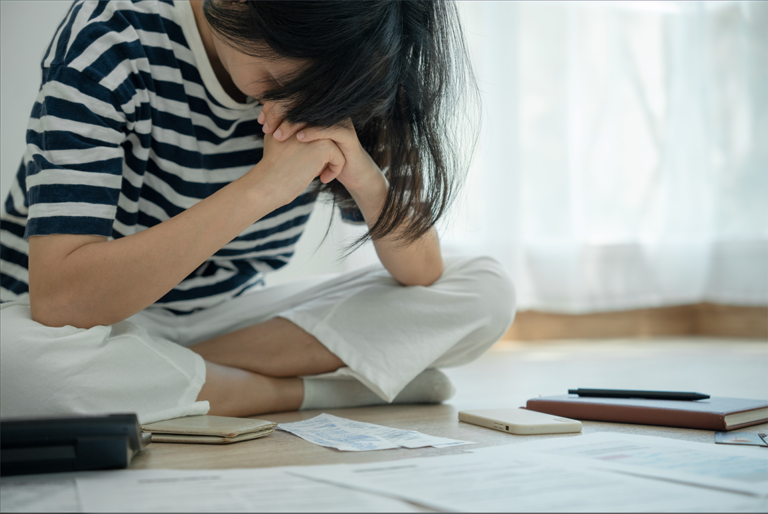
520	421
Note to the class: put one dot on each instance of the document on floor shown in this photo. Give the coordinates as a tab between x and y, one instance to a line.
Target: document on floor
55	492
356	436
230	490
527	482
742	469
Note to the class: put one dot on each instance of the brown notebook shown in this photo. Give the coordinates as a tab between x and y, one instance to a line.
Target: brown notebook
712	414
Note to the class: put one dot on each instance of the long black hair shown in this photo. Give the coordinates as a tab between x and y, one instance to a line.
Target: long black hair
398	69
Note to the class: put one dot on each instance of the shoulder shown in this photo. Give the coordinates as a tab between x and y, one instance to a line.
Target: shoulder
114	39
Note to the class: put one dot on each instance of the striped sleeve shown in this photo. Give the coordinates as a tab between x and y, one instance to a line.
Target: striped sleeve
353	216
74	158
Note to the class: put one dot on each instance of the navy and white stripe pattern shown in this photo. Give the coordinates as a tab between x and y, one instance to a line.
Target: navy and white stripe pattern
130	128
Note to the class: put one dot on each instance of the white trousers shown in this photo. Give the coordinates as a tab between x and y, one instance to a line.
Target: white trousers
385	333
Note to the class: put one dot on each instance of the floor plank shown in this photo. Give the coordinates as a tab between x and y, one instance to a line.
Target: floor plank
702	319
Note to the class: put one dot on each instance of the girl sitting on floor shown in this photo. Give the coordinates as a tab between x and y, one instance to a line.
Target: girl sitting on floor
174	154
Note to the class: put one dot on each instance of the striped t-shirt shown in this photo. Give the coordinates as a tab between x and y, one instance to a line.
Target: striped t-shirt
130	128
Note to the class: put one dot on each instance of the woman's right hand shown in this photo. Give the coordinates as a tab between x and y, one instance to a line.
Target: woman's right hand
289	166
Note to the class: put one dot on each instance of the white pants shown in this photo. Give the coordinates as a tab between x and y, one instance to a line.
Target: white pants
385	333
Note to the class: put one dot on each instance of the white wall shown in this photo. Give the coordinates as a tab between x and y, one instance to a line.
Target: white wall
27	29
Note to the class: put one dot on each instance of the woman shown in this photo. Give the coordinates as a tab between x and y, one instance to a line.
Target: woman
145	214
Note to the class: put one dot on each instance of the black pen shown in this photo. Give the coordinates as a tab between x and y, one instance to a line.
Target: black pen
646	395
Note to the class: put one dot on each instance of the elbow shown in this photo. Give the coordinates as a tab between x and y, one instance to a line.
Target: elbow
42	316
39	307
63	290
425	278
50	311
46	312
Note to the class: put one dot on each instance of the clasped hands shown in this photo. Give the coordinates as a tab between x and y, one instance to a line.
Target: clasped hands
295	154
354	168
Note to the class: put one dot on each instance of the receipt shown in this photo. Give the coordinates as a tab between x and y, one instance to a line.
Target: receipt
356	436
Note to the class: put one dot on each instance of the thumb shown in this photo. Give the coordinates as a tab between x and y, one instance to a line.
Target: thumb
327	175
334	165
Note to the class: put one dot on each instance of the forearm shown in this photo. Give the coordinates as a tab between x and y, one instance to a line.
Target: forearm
105	282
417	263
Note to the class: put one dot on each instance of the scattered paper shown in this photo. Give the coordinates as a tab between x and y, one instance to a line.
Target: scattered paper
525	482
55	492
356	436
229	490
741	469
740	438
562	475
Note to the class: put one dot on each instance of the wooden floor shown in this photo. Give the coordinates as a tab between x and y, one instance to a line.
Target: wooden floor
506	376
701	319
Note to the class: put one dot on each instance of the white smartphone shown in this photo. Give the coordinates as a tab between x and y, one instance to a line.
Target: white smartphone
520	421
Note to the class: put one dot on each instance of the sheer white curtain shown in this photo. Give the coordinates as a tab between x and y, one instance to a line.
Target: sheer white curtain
623	158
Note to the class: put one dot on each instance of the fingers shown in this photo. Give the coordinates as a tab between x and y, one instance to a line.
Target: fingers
278	129
268	114
287	129
273	122
343	135
327	175
335	163
271	117
338	133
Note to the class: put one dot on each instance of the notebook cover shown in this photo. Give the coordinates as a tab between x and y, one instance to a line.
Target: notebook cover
209	439
702	414
208	425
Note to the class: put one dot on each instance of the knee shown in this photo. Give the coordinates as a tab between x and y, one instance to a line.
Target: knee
491	297
486	304
64	371
36	363
40	364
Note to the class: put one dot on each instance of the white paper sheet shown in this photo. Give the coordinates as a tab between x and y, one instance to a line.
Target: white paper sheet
39	493
528	482
231	490
743	469
349	435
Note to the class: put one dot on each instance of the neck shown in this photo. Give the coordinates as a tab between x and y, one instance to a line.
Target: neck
213	57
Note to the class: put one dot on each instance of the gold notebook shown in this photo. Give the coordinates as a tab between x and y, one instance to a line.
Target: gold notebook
208	430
